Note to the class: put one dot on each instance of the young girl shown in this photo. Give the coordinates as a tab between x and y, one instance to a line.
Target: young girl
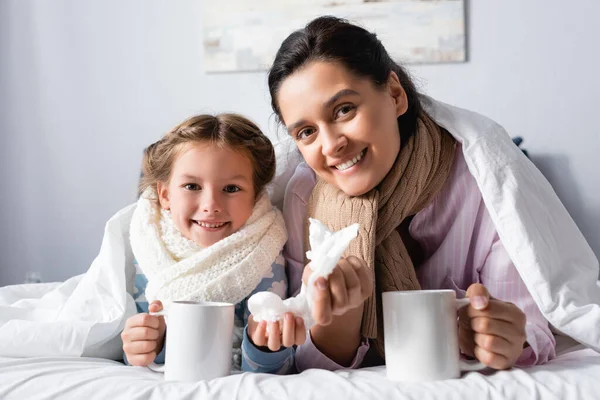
414	173
204	230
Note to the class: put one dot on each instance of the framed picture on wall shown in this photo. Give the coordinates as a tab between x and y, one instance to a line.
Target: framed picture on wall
244	35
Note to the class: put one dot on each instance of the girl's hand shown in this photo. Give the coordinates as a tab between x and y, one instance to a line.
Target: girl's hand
491	330
347	288
143	336
287	333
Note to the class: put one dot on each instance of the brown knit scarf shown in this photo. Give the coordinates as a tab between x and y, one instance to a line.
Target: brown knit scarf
418	174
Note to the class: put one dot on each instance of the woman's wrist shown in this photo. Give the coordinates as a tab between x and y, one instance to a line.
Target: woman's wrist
339	340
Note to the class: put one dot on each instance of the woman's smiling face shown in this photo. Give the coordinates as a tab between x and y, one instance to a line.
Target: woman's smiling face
345	127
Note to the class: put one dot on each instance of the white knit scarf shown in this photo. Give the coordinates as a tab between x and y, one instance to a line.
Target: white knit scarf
179	269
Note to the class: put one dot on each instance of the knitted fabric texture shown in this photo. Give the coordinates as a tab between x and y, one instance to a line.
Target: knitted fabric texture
179	269
418	174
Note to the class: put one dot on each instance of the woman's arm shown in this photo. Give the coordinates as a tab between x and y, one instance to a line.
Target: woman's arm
335	345
503	281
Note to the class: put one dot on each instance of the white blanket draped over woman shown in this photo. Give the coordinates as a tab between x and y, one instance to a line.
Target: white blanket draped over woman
84	315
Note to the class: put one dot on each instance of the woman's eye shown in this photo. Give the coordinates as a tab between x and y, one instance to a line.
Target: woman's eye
231	189
343	110
191	186
304	133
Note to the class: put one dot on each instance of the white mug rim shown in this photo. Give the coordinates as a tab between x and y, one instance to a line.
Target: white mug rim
417	292
189	303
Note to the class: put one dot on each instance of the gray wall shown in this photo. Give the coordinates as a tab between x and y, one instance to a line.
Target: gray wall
84	86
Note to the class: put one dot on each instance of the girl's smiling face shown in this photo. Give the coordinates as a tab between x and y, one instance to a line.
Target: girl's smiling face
345	127
210	192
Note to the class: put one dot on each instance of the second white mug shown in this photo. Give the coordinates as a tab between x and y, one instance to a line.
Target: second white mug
421	336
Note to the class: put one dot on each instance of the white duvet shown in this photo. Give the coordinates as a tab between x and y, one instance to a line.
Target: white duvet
569	376
84	315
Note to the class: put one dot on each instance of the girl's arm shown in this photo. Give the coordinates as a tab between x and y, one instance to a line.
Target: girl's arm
255	359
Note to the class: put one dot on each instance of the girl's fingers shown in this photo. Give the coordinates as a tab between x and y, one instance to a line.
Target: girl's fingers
143	320
155	306
259	336
141	360
139	333
300	331
274	340
289	330
140	347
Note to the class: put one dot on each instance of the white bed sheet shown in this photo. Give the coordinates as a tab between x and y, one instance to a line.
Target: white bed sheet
575	375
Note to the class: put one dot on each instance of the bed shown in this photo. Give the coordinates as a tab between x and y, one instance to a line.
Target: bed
574	374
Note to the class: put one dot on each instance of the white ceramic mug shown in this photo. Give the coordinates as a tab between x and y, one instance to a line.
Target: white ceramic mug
198	343
421	336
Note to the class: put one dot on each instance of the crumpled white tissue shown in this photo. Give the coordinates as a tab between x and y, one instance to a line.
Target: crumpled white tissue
326	250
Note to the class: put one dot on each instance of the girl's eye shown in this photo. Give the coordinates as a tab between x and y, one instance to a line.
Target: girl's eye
304	133
191	186
231	189
343	110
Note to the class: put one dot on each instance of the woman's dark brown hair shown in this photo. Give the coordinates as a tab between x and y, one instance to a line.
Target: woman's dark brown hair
333	39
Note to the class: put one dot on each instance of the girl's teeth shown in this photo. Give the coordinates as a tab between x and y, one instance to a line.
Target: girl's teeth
207	225
350	163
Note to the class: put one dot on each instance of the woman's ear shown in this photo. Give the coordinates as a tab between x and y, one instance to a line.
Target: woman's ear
398	94
163	195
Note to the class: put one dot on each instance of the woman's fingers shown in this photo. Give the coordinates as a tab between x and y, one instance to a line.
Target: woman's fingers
497	327
339	291
322	312
364	276
496	361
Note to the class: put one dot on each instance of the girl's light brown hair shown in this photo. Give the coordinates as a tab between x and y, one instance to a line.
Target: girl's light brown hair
227	130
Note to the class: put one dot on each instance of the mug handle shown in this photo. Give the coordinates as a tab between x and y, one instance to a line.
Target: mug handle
465	365
154	366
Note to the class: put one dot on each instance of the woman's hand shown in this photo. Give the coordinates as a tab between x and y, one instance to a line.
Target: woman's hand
143	336
347	288
491	330
287	333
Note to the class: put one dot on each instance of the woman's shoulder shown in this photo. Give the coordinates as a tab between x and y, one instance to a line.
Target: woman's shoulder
300	186
459	199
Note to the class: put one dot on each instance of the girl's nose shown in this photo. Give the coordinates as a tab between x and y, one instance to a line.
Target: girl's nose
210	202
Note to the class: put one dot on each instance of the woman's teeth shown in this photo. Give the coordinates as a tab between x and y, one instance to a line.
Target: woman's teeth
350	163
207	225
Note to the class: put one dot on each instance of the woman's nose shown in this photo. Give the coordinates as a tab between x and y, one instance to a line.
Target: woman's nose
332	142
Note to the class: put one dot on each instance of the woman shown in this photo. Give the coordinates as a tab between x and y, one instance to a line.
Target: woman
375	155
